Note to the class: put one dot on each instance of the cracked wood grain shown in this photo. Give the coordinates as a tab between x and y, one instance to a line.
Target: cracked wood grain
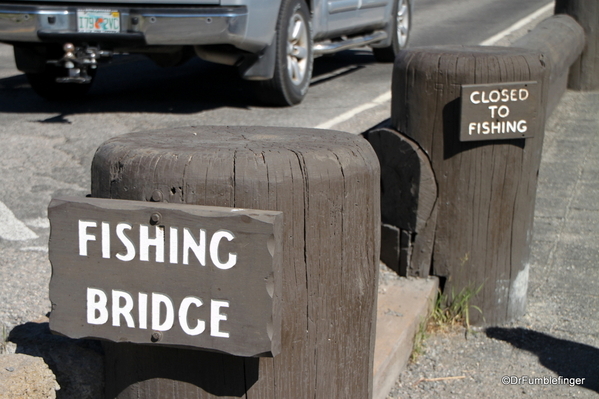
486	190
327	186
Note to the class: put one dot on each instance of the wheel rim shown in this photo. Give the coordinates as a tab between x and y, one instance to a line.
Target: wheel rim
402	23
297	49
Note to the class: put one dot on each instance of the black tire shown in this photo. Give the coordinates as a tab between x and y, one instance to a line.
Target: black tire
294	57
400	31
45	84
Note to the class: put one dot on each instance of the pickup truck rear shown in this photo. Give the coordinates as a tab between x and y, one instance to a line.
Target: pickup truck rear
59	44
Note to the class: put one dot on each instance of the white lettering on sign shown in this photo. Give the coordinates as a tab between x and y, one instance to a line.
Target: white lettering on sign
214	243
497	127
491	108
84	237
96	304
216	317
142	310
158	300
125	310
162	312
183	309
145	242
190	243
154	237
495	96
120	233
105	240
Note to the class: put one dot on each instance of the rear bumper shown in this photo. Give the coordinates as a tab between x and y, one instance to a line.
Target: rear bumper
201	25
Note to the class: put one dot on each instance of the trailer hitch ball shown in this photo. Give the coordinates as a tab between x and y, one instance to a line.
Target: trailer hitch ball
69	49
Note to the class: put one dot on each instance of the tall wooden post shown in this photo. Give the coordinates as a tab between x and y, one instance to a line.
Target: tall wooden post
327	186
486	188
584	73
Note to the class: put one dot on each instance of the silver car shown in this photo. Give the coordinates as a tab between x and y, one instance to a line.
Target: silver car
59	43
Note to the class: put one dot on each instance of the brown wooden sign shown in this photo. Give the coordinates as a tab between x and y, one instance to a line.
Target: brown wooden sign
499	111
166	274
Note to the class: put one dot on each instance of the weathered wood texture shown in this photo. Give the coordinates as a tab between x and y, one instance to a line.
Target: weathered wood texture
584	73
408	198
327	186
252	285
486	189
561	40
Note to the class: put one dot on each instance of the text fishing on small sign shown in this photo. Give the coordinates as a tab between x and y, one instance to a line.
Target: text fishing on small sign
499	111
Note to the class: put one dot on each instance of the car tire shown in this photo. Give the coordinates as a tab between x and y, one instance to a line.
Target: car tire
401	32
45	85
294	57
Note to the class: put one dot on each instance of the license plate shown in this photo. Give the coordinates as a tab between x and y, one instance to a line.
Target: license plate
98	21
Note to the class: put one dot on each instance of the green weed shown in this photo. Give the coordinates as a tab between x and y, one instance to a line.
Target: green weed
419	338
452	310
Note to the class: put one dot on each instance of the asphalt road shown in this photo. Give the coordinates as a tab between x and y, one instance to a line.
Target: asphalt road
48	147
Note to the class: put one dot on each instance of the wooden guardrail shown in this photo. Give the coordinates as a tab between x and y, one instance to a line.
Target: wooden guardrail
561	41
463	150
463	170
584	71
196	292
479	114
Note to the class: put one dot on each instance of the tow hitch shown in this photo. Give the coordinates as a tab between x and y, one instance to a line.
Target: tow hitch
78	61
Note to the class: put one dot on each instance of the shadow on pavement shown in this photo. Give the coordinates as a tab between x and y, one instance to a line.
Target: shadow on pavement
566	358
78	364
136	84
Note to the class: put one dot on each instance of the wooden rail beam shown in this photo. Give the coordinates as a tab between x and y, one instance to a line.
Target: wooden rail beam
561	40
584	74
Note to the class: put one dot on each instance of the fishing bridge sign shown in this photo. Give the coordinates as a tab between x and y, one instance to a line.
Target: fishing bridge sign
166	274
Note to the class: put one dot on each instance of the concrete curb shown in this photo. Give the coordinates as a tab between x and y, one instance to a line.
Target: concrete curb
403	305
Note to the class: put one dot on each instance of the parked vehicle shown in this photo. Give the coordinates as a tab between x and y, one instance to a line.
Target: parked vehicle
59	43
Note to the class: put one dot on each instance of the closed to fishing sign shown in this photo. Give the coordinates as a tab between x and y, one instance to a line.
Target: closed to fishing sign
499	111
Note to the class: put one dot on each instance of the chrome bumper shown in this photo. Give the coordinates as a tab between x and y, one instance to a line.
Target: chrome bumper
147	25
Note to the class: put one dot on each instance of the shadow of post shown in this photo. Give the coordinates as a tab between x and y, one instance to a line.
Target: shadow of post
566	358
77	364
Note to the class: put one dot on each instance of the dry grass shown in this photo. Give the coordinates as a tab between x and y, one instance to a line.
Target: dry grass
453	310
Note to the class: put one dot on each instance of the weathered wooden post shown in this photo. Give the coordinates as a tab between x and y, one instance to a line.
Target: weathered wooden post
478	112
325	186
561	40
408	198
584	73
